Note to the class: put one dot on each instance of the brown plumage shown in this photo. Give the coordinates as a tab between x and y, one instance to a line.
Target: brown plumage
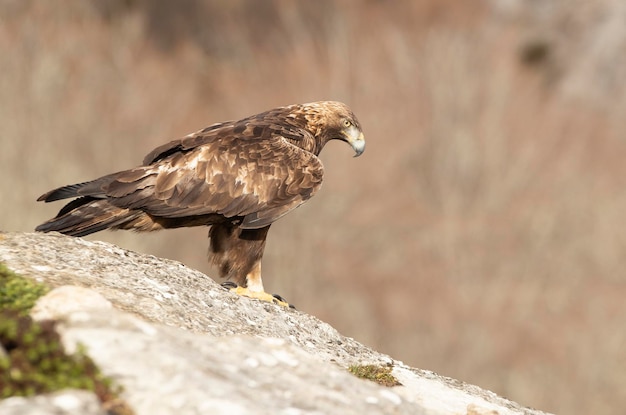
237	177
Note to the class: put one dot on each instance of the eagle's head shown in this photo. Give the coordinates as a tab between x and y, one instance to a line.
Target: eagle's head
331	120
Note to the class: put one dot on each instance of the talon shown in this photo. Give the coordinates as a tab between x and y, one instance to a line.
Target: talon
229	285
282	300
259	295
279	298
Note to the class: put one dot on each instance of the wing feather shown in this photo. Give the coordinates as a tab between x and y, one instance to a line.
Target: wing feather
252	171
258	180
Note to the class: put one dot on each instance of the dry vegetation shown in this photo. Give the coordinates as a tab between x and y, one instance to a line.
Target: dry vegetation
481	234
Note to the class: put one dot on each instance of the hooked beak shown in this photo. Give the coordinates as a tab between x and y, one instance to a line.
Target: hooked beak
355	138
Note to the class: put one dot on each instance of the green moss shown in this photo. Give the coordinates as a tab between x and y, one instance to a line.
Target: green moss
32	358
35	359
18	293
34	362
379	374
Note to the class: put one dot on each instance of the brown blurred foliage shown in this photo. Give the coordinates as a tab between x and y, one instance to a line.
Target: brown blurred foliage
479	236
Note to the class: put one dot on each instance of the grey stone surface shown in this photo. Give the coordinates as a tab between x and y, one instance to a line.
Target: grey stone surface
180	343
66	402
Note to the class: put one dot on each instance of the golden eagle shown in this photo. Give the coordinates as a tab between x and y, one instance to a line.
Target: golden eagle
237	177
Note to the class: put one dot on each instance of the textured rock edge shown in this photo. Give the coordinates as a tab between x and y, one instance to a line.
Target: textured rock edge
153	291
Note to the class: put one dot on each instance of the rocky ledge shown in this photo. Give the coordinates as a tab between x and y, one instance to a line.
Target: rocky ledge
178	343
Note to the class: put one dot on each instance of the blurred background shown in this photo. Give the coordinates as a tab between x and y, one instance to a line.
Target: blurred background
481	235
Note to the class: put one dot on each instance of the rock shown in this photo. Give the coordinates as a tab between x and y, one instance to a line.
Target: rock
179	343
66	299
166	370
66	402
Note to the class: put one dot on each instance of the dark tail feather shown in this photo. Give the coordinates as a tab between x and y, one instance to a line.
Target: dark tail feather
87	215
64	192
92	188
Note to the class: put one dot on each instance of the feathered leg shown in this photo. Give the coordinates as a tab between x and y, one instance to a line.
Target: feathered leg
237	253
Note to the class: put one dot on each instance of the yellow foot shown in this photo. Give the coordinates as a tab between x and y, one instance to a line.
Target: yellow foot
259	295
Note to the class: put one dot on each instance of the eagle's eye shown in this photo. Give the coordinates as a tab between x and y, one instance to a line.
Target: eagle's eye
347	123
